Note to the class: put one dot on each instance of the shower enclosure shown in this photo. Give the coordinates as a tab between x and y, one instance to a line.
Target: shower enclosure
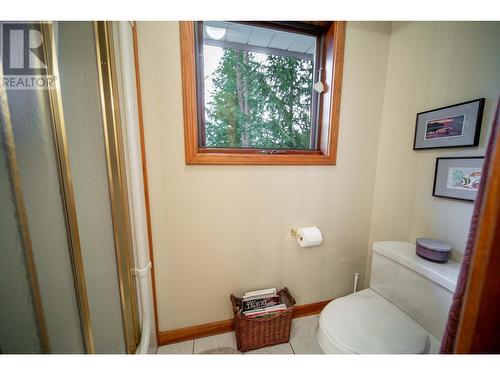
68	239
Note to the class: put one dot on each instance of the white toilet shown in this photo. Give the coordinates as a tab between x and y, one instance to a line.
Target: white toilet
403	311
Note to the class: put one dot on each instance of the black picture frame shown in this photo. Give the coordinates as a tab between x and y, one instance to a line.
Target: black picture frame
437	180
472	130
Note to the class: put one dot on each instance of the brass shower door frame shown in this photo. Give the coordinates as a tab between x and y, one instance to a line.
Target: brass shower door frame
117	183
69	203
117	180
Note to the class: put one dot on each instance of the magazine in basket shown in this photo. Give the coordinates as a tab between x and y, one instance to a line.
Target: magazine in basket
261	303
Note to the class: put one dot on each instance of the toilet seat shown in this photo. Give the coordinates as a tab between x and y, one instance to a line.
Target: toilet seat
365	322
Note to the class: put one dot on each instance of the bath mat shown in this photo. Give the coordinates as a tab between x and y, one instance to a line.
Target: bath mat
221	350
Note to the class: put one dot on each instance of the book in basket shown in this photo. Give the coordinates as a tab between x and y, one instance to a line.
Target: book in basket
265	312
259	302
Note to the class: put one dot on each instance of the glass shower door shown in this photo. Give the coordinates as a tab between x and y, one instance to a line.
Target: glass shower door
66	263
35	245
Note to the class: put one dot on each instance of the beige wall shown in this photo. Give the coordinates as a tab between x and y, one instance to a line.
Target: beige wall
431	64
219	230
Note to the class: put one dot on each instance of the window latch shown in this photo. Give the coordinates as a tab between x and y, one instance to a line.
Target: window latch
272	152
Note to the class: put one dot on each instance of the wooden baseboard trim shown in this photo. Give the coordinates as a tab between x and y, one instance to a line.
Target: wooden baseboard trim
195	332
309	309
222	326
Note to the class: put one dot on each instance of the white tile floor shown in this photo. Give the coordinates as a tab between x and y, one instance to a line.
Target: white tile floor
302	341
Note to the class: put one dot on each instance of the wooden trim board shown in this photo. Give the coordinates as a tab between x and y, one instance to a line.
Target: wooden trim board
195	332
222	326
309	309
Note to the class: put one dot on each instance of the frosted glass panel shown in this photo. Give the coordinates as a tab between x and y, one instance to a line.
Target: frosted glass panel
85	133
18	325
32	127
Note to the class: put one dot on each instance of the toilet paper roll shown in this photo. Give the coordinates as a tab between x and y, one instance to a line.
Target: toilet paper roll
309	236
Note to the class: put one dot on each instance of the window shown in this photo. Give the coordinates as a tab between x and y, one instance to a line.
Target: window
261	92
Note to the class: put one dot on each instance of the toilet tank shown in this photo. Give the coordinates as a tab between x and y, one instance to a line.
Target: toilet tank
422	289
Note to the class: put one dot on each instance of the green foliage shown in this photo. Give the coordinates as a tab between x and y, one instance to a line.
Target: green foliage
259	101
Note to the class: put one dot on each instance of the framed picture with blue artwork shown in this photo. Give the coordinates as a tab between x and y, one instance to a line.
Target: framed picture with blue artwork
457	125
458	177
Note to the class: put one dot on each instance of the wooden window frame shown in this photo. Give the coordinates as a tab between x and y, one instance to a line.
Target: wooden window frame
332	58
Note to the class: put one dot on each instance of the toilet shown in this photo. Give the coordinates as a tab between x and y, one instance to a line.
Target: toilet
404	311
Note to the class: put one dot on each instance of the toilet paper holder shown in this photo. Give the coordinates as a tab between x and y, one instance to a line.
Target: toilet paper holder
294	232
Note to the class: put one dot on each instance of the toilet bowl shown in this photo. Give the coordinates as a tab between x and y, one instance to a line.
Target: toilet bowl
404	310
365	322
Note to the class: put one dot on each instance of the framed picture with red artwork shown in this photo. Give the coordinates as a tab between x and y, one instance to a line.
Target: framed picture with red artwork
457	125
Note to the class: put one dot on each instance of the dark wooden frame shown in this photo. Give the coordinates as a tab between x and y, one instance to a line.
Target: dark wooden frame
329	109
477	132
435	176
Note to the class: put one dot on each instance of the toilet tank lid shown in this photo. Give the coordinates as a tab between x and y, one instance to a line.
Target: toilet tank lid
444	274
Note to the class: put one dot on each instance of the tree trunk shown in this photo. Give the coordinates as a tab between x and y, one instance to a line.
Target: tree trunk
294	97
242	91
231	134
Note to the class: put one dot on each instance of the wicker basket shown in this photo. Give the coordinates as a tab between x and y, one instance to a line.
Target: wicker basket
254	333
